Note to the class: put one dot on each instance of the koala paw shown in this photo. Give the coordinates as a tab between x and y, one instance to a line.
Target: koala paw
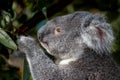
25	43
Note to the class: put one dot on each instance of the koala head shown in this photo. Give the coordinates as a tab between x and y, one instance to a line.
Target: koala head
68	36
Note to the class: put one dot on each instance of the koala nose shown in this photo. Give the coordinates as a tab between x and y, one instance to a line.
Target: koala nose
40	36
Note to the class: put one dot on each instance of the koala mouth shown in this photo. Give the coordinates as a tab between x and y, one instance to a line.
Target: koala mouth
45	45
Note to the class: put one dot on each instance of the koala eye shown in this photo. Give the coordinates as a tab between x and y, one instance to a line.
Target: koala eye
57	30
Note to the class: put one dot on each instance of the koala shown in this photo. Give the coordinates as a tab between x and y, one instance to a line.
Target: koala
80	43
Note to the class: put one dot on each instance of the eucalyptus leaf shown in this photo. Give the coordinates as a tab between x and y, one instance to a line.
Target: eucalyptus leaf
44	11
26	71
6	40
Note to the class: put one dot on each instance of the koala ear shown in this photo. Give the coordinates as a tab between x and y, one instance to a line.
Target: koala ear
98	37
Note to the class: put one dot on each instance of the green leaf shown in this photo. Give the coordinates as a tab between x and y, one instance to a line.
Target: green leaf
44	11
41	4
26	71
6	40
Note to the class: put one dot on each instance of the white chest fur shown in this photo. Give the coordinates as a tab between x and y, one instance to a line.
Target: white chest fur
67	61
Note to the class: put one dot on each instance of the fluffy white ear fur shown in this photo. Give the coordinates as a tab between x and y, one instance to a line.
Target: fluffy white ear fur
98	38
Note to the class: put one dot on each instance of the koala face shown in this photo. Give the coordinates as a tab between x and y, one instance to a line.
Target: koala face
61	37
66	36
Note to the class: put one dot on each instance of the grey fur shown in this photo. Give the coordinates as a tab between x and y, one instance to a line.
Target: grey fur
84	37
